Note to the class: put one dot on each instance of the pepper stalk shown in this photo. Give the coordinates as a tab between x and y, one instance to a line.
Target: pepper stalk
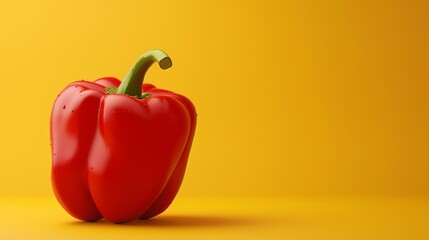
133	81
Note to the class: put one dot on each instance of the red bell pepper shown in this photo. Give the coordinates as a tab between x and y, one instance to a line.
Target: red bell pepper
120	149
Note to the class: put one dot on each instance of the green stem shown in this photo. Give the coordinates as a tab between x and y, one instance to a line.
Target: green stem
133	81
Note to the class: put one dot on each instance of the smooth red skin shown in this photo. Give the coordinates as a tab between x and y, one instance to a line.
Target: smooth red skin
116	156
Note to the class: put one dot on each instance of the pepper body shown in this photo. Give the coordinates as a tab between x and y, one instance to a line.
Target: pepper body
119	156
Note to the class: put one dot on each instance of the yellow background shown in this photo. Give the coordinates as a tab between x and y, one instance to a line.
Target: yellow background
308	99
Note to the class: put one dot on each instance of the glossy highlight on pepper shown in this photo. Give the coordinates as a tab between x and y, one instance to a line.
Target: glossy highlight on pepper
120	149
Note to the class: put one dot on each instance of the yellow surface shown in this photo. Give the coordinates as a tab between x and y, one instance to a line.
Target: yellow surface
296	100
226	218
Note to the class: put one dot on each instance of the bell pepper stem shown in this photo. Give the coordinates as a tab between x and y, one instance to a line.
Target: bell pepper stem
133	81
